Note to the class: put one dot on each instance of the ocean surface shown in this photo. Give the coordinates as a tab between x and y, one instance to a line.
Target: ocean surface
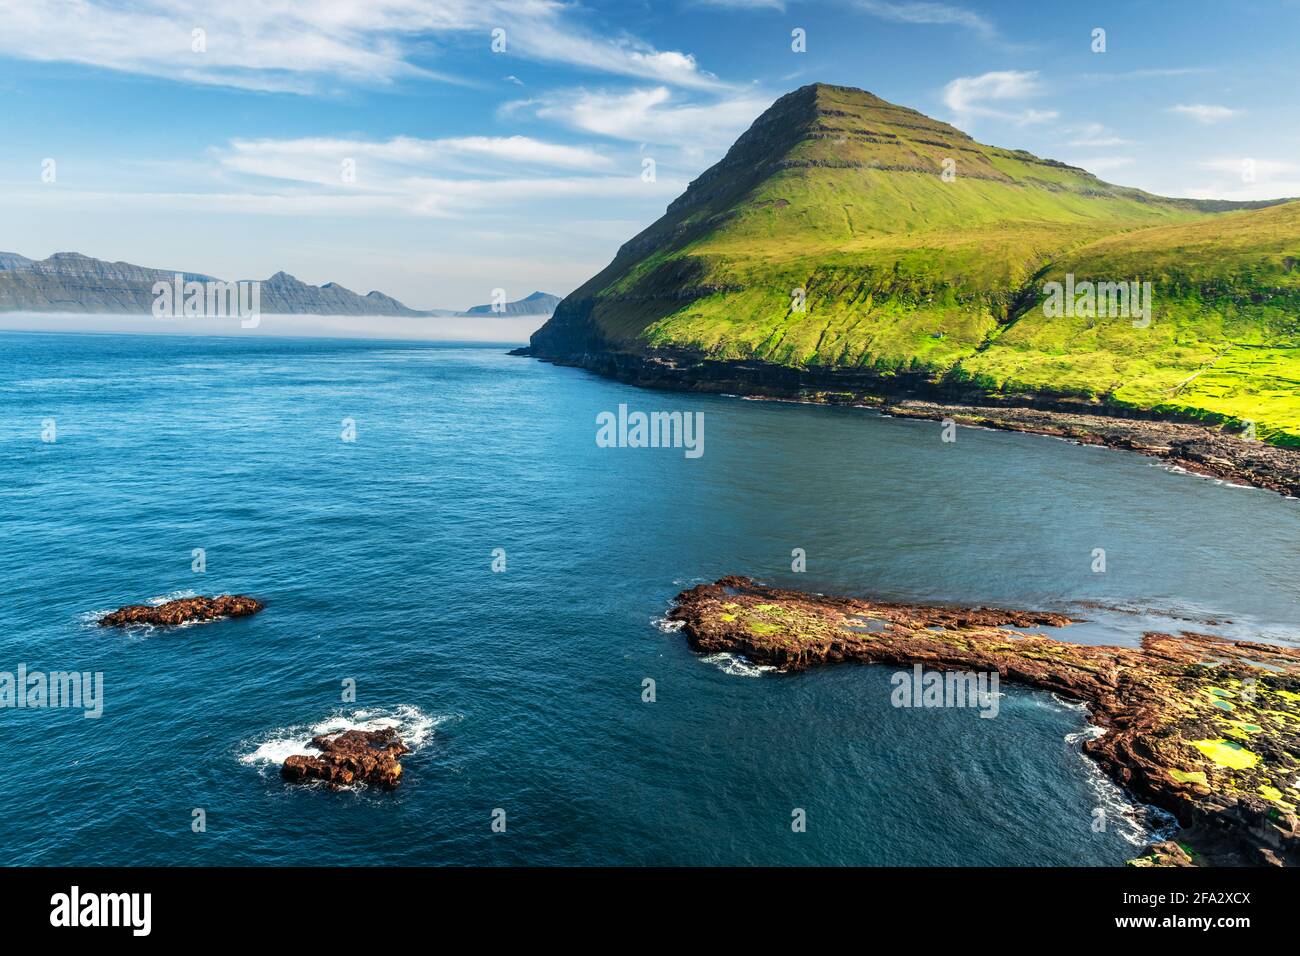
521	690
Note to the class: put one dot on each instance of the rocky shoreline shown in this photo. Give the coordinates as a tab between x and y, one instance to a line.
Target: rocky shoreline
1212	452
1206	728
1209	450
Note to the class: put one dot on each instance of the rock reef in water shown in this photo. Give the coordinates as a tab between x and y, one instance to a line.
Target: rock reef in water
348	758
1206	728
183	611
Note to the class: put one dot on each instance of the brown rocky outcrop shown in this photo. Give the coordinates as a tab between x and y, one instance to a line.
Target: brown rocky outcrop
1204	450
349	758
183	611
1206	728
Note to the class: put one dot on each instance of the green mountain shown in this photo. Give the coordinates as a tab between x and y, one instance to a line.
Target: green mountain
843	236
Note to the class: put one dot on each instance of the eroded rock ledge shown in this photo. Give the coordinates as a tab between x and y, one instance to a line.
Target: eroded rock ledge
1212	452
1205	728
183	611
348	758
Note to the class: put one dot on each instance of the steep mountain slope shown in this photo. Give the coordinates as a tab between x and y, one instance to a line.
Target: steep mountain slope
844	234
11	260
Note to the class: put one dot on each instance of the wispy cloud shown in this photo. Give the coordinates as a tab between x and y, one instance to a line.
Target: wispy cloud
422	177
931	13
650	115
969	96
321	160
744	4
1092	136
390	198
1204	113
1148	73
896	11
1248	177
303	46
1248	167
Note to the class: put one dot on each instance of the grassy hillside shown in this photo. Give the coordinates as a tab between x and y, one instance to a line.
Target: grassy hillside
1224	341
836	201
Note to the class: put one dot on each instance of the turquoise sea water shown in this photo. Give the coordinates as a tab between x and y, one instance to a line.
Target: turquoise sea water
522	690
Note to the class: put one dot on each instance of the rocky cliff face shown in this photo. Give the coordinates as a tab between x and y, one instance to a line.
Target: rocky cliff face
71	282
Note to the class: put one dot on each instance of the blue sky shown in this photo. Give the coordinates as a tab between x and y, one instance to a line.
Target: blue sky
523	168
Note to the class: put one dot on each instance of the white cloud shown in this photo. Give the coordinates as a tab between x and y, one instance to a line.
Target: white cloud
407	175
1092	136
320	160
1250	167
929	13
1247	178
525	149
302	46
1246	192
651	115
744	4
416	196
967	96
1204	113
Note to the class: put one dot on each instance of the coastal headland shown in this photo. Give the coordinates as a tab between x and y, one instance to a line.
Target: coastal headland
1205	728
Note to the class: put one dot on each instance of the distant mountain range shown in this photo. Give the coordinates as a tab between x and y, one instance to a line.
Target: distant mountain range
71	282
539	303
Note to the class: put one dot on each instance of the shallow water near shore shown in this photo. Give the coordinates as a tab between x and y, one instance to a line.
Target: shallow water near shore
522	690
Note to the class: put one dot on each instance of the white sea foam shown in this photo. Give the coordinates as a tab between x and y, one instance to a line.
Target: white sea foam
1135	823
1233	484
1221	482
667	625
413	725
91	618
736	665
173	596
1075	705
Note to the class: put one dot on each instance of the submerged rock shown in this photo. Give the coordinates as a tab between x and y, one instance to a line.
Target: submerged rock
350	757
1206	728
183	611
